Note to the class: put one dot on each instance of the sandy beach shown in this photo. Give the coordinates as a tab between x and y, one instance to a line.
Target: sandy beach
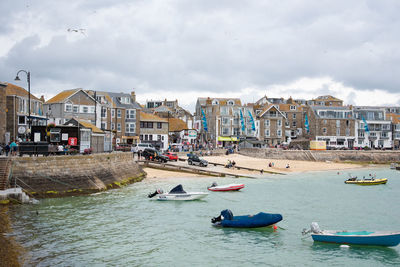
279	166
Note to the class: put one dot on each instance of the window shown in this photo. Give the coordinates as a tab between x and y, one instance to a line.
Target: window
272	113
118	127
92	109
266	132
146	124
235	121
68	108
292	107
112	126
159	125
85	109
215	102
236	131
55	135
338	123
337	131
294	115
103	125
130	113
266	123
224	110
21	120
150	137
294	124
225	121
279	123
131	127
279	132
118	113
225	131
384	134
158	137
146	137
347	131
112	113
103	112
75	109
324	130
231	102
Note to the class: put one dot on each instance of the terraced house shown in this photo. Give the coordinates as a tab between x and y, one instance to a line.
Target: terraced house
15	108
271	125
154	130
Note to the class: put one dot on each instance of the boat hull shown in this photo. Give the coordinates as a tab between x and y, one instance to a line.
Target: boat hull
223	188
252	221
387	239
367	182
182	197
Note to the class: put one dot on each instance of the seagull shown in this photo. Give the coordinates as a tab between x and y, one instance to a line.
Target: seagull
77	30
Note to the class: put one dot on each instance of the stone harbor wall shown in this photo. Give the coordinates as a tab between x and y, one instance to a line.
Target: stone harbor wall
379	157
56	176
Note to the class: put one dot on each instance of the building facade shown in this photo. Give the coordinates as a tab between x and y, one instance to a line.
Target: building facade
154	130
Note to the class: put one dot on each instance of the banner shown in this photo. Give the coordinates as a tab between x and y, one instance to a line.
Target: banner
242	121
365	125
204	119
253	125
306	124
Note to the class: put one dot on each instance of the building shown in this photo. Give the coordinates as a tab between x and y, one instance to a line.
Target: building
372	128
168	109
326	100
74	103
333	124
224	121
294	123
154	130
395	120
271	125
15	122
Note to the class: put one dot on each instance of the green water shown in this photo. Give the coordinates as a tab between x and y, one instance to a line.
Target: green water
124	228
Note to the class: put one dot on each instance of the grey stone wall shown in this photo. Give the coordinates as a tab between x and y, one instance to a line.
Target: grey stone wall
334	155
72	175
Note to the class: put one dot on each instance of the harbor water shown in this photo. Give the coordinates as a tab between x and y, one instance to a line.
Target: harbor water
123	227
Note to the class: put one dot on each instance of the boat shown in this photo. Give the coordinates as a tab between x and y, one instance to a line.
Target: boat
261	219
370	238
394	166
364	181
229	187
177	193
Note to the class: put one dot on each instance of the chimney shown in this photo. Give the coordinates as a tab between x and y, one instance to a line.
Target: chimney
42	98
133	96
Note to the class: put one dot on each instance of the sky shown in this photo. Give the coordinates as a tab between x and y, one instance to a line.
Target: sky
183	50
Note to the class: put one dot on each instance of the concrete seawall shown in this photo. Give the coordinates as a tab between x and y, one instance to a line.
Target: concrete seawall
380	157
56	176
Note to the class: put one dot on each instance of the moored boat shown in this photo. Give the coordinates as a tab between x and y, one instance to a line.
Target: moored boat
228	187
261	219
366	181
370	238
177	193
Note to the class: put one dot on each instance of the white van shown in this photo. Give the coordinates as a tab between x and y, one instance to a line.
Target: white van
142	146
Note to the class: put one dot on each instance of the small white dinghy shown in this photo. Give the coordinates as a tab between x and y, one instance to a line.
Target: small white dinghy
177	193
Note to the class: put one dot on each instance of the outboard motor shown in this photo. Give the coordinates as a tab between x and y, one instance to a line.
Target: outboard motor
216	219
213	184
315	228
158	191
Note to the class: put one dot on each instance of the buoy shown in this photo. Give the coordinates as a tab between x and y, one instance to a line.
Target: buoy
275	227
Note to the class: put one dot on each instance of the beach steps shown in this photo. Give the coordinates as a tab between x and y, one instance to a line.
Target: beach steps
16	194
188	169
5	164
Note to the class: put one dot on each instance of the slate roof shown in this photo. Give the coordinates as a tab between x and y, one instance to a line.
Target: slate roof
117	103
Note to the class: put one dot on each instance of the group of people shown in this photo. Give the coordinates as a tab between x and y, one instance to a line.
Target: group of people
271	164
9	149
230	164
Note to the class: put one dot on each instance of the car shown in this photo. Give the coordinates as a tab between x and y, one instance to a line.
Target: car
196	160
142	146
153	154
123	147
171	156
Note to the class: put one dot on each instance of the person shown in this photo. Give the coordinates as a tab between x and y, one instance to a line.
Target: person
139	154
13	148
60	149
7	149
270	165
287	166
233	163
133	148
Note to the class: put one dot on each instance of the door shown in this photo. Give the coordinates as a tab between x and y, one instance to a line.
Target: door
85	140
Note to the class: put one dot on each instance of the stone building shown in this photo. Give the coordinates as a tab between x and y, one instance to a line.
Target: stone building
333	124
395	120
326	100
14	116
294	123
154	130
271	125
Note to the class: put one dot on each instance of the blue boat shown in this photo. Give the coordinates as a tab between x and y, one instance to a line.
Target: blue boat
262	219
370	238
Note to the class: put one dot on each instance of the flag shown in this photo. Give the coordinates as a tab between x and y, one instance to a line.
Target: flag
365	125
242	121
204	119
306	124
253	125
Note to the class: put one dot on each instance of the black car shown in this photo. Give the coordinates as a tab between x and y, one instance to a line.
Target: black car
195	160
153	154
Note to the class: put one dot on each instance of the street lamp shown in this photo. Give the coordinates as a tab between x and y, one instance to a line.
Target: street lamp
28	78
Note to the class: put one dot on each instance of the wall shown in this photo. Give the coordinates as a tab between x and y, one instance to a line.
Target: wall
3	107
329	155
55	176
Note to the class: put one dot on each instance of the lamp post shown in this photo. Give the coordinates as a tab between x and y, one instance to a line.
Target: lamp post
28	78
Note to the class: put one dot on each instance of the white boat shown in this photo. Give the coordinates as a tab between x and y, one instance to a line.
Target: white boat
177	193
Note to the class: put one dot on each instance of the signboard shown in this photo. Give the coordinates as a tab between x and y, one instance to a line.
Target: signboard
21	129
64	137
192	133
73	141
36	137
317	145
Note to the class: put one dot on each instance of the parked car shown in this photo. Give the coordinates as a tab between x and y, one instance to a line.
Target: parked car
153	154
171	156
143	146
196	160
123	147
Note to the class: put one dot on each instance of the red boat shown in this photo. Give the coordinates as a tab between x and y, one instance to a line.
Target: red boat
228	187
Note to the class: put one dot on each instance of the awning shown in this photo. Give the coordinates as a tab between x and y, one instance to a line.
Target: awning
227	138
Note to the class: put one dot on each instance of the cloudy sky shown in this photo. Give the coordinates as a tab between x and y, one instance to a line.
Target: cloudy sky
179	49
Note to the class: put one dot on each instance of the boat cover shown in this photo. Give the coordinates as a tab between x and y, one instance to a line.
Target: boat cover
177	190
261	219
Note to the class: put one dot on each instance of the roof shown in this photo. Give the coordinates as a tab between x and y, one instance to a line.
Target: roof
151	117
162	108
90	126
117	103
177	125
12	89
286	107
270	107
395	118
222	101
327	98
60	97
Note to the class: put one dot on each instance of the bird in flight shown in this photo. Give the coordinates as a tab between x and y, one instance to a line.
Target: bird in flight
77	30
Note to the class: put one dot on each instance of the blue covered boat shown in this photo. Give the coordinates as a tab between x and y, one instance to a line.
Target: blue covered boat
377	238
262	219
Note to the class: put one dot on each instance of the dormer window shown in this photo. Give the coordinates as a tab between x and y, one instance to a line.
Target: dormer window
292	107
215	102
230	103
